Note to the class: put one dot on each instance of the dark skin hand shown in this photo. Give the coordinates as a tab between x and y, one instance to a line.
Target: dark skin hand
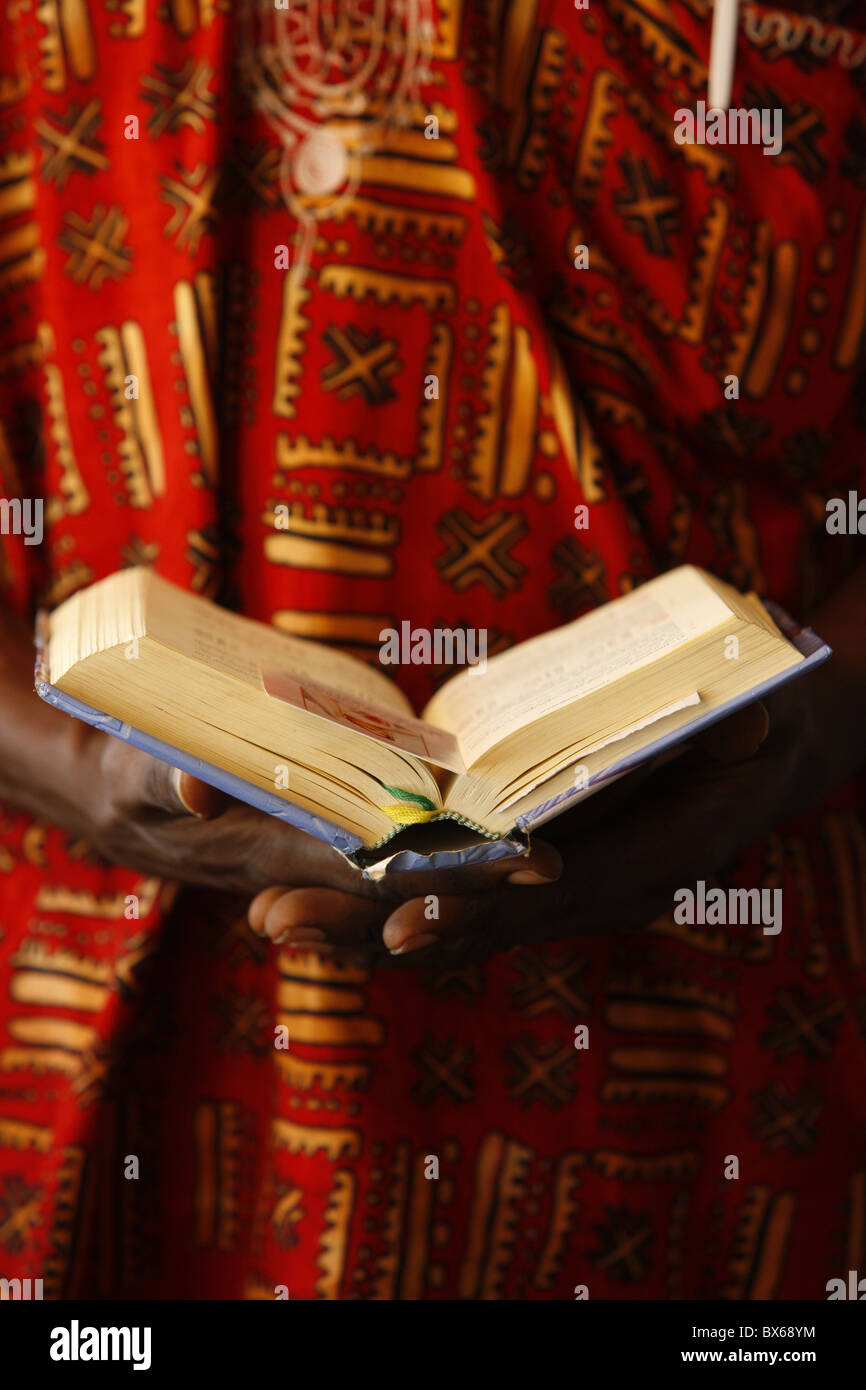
618	859
612	864
140	812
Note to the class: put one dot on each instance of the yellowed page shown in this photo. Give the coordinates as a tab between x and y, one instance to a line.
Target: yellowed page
244	649
481	708
554	765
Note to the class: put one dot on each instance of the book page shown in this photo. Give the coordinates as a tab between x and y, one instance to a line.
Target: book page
555	764
243	648
481	708
410	735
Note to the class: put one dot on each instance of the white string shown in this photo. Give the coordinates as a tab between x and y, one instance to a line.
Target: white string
723	49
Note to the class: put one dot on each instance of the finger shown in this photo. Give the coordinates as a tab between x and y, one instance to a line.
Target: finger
305	915
739	736
412	928
165	788
603	803
258	908
198	798
644	848
542	863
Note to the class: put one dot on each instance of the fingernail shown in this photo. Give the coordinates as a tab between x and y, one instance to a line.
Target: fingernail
310	934
302	937
415	943
176	775
528	876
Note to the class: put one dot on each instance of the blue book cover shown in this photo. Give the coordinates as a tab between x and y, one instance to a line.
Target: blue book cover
382	860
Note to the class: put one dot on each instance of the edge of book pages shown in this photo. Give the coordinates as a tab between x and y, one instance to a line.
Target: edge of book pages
376	863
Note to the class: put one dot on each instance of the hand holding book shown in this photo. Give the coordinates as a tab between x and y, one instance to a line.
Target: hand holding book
610	691
125	804
139	811
330	745
619	858
596	851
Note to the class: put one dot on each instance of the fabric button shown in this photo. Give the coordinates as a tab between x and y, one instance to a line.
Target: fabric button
320	165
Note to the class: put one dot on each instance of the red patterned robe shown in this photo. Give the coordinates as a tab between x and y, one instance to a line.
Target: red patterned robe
559	387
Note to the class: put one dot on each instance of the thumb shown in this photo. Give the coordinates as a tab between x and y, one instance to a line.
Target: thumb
543	864
739	736
169	789
540	864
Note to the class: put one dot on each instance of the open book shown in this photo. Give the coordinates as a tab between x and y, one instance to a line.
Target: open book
331	744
